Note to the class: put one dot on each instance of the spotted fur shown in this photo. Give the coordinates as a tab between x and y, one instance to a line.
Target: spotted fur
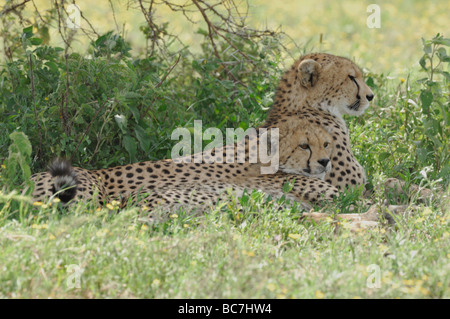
320	88
304	148
311	99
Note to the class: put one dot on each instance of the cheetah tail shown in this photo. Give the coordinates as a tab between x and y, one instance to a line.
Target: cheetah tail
64	179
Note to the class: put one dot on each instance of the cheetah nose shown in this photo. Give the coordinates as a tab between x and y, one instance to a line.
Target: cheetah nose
369	97
324	162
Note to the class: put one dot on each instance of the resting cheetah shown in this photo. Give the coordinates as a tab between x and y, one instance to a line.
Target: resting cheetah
318	89
304	148
321	88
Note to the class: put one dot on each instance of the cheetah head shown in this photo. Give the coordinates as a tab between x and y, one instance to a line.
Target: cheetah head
329	82
303	148
306	150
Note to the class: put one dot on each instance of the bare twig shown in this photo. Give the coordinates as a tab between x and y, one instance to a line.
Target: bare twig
114	16
168	72
84	30
216	31
153	27
158	85
14	7
38	13
61	24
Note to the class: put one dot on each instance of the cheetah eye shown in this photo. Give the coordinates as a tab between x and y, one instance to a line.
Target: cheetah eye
351	77
304	146
326	144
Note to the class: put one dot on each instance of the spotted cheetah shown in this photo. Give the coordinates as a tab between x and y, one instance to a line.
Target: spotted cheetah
305	190
303	148
321	88
318	89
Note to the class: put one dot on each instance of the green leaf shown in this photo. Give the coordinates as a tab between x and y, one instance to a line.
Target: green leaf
45	35
431	127
370	82
130	145
35	41
143	138
426	97
427	48
423	62
287	187
135	112
21	141
52	66
19	155
446	74
422	80
383	156
402	150
441	53
28	32
243	125
443	41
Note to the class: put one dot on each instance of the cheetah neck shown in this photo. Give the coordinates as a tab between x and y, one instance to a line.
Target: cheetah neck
333	111
300	104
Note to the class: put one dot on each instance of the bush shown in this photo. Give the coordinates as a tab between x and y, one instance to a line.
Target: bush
110	108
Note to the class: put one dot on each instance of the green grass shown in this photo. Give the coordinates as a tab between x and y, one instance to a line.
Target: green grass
259	253
239	249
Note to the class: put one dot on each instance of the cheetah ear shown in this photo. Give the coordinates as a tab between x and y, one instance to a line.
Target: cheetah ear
308	72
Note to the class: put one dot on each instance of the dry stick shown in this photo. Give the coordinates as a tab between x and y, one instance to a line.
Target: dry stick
145	13
88	128
216	53
38	13
168	72
114	16
205	17
39	152
88	22
159	84
83	29
12	8
59	26
151	24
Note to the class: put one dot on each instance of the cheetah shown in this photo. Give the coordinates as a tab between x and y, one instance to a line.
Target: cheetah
307	191
313	95
320	88
302	148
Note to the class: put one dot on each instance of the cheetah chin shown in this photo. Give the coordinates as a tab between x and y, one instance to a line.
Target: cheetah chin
320	173
356	108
